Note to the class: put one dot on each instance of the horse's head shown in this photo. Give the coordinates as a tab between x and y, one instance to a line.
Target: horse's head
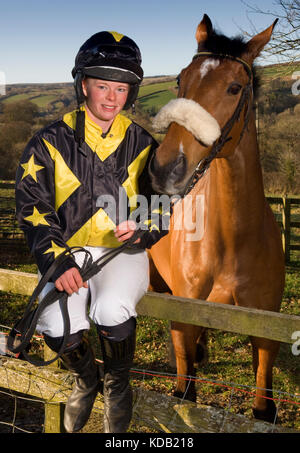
211	111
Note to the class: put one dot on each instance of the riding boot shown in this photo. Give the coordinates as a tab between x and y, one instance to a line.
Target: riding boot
118	358
81	362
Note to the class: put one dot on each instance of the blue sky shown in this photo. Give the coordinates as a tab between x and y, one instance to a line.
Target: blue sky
39	39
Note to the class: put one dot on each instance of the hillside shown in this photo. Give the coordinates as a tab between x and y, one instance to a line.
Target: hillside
53	99
277	114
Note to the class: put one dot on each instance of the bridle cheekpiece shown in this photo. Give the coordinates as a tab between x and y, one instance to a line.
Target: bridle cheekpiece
217	146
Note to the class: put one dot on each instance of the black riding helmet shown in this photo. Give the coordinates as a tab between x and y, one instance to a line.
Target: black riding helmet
109	56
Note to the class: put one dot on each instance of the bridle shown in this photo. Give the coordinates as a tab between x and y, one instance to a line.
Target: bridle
217	146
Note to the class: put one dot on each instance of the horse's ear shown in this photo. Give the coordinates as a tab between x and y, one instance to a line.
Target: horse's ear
204	29
258	42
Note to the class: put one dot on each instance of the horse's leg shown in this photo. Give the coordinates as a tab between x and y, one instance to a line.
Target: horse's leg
184	337
264	355
185	341
201	348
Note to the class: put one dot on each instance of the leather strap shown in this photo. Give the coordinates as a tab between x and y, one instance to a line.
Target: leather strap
22	332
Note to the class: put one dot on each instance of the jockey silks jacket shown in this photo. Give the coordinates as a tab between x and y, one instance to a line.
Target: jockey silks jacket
68	195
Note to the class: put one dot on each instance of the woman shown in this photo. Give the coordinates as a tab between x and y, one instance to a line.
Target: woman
66	168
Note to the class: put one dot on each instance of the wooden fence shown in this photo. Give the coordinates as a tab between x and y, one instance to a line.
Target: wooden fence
9	229
240	320
286	222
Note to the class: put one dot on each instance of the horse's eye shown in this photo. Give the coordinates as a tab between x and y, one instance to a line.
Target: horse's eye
234	88
178	80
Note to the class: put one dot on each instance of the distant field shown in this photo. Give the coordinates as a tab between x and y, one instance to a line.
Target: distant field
149	89
42	95
154	96
154	92
156	100
17	98
275	71
43	101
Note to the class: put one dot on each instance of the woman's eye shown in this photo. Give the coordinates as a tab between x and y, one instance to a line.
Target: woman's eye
234	88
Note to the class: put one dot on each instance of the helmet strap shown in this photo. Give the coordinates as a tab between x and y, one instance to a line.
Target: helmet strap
80	129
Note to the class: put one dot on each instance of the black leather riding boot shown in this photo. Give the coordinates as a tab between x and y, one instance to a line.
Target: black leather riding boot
81	362
118	358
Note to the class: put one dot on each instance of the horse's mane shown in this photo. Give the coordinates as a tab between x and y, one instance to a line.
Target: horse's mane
218	43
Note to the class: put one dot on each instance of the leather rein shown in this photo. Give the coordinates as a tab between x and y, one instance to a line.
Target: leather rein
21	334
217	146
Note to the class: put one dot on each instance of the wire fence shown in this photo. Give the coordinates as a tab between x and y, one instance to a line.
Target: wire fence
154	412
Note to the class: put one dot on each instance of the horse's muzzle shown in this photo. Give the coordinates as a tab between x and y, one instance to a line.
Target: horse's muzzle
168	178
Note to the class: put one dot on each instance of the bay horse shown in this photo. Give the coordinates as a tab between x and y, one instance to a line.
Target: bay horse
210	149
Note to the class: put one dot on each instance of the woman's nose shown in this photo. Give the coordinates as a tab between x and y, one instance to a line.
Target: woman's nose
111	95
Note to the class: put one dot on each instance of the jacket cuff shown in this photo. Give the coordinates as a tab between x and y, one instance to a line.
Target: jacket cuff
66	265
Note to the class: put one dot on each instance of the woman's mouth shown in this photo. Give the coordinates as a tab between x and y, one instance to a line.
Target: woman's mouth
108	107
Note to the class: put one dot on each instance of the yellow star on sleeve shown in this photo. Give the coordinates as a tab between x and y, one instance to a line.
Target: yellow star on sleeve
37	218
56	249
31	168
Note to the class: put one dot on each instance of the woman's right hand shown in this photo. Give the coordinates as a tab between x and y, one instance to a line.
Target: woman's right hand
70	281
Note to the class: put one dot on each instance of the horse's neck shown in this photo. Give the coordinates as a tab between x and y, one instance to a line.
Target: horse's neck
236	193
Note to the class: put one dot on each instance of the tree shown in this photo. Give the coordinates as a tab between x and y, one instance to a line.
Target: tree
285	43
24	111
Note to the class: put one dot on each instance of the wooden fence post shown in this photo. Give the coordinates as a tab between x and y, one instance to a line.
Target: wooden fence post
286	223
54	416
54	411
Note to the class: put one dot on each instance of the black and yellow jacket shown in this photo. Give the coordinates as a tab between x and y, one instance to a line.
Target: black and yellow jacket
58	185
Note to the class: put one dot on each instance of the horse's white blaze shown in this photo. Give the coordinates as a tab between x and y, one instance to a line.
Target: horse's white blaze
208	65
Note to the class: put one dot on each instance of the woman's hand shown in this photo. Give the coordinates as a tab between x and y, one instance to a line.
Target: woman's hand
70	281
125	231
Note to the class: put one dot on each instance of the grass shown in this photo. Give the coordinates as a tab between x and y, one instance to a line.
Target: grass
17	98
43	101
230	360
230	357
40	100
156	100
146	90
275	71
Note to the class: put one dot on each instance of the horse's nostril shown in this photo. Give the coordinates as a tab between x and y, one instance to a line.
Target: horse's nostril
180	166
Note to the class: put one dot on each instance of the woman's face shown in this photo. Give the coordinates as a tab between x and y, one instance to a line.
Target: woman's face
104	99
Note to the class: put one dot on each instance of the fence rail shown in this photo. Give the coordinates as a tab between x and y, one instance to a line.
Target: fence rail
245	321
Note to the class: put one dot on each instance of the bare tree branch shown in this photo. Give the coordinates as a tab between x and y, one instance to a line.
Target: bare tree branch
285	44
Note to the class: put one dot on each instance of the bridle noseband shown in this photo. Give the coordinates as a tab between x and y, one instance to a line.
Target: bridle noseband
204	164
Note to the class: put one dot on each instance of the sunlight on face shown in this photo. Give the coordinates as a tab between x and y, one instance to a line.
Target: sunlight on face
104	100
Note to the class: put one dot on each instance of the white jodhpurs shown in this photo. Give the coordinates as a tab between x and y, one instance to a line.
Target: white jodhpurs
113	294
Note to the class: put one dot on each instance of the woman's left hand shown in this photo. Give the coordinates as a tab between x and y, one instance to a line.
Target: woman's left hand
125	231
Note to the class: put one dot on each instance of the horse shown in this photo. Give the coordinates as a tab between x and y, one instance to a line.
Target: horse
210	151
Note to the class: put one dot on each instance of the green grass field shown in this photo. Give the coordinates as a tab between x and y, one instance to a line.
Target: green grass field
146	90
156	101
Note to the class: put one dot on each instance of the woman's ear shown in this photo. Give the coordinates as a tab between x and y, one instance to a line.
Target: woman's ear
84	86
